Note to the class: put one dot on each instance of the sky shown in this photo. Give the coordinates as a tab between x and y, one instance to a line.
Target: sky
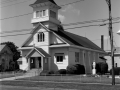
84	10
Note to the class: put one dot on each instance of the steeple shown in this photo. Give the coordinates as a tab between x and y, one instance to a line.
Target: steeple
46	12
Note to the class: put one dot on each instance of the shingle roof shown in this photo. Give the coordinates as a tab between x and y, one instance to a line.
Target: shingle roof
78	40
42	1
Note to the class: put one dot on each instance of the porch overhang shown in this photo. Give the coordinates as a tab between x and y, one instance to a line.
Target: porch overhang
37	52
103	58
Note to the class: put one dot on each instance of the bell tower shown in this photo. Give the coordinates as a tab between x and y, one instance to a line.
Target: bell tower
45	12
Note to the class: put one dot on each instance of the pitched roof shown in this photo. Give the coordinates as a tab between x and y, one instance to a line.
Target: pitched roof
78	40
1	47
40	51
74	39
43	1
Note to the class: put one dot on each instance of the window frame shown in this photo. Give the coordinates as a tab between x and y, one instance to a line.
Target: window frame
37	14
40	37
58	57
77	56
41	13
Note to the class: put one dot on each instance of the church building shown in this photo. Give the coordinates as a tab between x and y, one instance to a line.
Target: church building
50	47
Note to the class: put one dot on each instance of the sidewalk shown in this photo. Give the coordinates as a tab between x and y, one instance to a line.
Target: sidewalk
16	77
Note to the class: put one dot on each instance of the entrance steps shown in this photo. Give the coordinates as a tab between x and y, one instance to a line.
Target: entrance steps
34	72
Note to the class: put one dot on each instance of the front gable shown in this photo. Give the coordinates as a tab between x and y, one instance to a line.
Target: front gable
50	38
33	39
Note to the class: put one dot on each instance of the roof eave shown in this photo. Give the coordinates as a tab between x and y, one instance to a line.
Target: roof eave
88	49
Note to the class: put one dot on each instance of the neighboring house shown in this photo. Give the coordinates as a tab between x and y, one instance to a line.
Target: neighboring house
6	56
51	48
116	57
118	32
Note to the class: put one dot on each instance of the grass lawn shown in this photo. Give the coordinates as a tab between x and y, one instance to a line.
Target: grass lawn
61	85
74	78
7	75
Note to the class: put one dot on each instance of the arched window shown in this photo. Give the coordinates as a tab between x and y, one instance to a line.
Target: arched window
41	37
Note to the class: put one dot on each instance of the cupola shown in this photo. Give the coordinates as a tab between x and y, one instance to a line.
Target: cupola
45	12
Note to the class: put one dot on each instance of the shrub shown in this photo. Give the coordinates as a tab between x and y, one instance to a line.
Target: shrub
62	71
80	69
71	69
76	69
116	71
101	68
51	72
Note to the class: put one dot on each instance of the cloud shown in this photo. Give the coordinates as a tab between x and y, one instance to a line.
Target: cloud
61	17
71	9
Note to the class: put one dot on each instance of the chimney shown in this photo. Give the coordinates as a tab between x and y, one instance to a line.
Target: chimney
102	42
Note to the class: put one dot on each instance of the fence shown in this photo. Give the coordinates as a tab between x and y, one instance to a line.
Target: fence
71	78
60	77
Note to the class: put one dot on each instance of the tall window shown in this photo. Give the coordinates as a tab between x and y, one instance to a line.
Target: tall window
76	56
37	14
44	13
59	57
41	37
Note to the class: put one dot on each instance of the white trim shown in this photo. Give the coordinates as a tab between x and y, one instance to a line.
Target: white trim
87	49
74	46
53	46
23	48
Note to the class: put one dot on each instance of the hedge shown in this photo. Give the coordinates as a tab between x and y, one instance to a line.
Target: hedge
116	71
101	68
62	71
75	69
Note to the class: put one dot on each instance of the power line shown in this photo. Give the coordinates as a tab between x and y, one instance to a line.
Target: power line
84	22
64	29
71	3
14	4
16	31
7	1
90	25
91	21
77	23
15	35
32	12
17	16
30	0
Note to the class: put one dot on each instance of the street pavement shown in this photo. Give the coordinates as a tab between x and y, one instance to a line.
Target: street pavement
3	87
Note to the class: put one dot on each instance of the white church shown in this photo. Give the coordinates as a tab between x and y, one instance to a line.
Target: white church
50	47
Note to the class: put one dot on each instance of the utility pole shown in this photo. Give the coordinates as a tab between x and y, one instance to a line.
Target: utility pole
111	40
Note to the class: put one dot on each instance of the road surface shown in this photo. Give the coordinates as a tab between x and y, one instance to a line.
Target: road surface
3	87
